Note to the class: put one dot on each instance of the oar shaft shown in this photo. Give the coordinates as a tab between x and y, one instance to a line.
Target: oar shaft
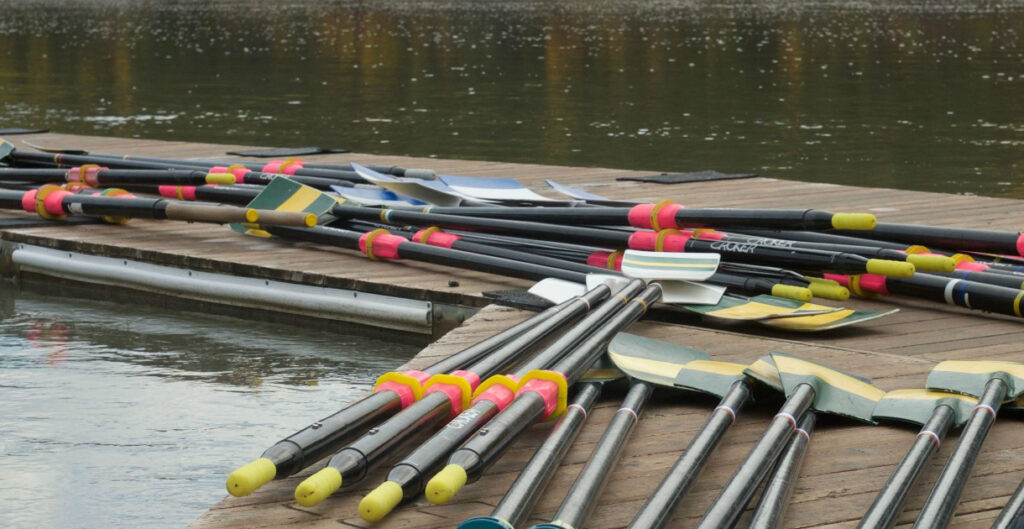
659	506
517	503
771	508
976	240
731	501
889	502
941	503
1012	516
579	502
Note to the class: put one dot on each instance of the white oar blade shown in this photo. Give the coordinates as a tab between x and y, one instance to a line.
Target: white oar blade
557	290
614	282
669	265
409	187
691	293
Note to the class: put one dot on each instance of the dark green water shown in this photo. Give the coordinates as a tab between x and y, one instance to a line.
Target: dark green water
119	416
909	94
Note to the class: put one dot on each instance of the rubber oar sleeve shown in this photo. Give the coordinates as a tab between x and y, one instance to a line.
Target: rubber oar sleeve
299	219
206	213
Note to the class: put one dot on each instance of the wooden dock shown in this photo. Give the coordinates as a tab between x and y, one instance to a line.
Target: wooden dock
846	464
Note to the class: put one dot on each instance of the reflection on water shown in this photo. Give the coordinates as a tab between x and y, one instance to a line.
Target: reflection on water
910	93
132	416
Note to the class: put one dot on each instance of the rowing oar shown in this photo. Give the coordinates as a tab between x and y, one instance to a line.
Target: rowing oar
407	478
117	206
277	167
807	386
1012	515
1013	281
922	261
582	497
669	364
771	508
96	176
540	397
963	239
518	501
666	240
937	412
236	194
445	397
959	292
392	392
668	215
993	383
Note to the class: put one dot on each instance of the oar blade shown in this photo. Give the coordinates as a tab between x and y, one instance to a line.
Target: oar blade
285	194
557	290
917	405
764	371
970	377
6	148
669	265
835	391
783	313
414	188
709	376
691	293
495	189
650	360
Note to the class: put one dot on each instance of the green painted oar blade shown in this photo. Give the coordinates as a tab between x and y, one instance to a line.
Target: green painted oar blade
669	265
709	376
764	371
603	371
835	392
786	314
650	360
6	148
970	377
916	405
285	194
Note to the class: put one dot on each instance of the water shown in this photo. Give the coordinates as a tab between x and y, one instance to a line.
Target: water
123	417
911	94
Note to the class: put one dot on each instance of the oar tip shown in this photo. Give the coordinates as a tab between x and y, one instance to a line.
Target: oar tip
829	290
220	178
443	486
380	501
854	221
792	292
318	487
251	476
884	267
932	263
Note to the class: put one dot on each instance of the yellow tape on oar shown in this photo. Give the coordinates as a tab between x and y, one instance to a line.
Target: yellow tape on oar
788	365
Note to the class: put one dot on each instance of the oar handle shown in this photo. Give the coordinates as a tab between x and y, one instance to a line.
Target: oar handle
771	508
299	219
889	502
208	213
941	503
658	509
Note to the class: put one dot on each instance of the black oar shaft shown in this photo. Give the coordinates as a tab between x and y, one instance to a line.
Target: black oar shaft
959	292
579	502
889	502
517	503
731	501
941	503
1012	515
995	241
659	506
771	508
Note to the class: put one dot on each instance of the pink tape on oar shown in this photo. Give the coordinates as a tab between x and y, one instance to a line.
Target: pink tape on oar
1020	245
435	237
709	235
547	390
289	168
643	240
842	279
500	394
972	266
404	390
667	216
273	166
640	215
609	260
458	386
873	283
28	201
663	241
379	244
52	202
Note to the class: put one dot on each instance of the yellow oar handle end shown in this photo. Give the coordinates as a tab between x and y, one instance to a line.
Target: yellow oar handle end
250	477
443	486
318	487
380	501
829	291
888	268
220	178
792	292
854	221
932	263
